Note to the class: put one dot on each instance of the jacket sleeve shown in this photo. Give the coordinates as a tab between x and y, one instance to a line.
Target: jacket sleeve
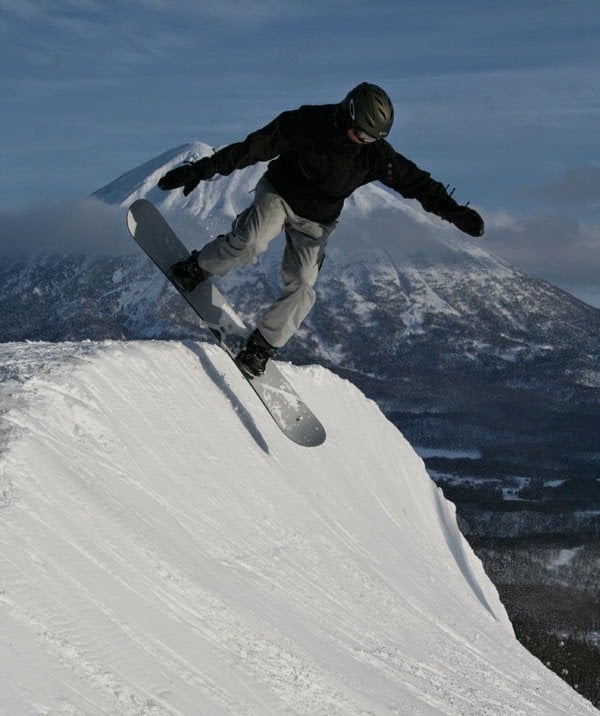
260	146
405	177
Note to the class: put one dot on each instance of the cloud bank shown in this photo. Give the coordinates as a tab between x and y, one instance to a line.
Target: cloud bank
549	244
86	226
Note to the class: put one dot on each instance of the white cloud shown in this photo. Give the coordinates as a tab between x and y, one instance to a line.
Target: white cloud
87	226
577	188
554	247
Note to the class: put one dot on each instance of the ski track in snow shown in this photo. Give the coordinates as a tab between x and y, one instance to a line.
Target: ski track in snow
166	550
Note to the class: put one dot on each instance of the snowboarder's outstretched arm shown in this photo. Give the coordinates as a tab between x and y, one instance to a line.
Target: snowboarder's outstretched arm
258	146
407	179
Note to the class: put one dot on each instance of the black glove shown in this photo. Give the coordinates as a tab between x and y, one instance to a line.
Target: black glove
188	176
466	219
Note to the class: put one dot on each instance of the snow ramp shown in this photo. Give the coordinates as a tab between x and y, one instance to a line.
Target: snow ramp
166	550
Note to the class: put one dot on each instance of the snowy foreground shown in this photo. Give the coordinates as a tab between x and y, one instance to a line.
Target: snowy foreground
166	550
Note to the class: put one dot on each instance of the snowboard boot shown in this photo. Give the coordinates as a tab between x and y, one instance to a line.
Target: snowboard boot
252	360
188	274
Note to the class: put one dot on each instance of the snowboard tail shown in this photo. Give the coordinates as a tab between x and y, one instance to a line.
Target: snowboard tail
158	240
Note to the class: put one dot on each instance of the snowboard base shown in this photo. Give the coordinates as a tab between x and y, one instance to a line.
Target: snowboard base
156	238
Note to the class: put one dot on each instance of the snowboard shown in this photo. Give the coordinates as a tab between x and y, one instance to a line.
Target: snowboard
157	239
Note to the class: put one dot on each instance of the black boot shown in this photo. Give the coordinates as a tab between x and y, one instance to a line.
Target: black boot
253	359
188	274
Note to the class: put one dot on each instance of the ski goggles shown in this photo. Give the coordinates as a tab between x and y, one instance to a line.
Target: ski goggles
364	137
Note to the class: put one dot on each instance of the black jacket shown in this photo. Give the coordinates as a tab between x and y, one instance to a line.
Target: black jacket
315	166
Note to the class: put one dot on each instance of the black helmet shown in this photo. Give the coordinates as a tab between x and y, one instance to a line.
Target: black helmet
367	107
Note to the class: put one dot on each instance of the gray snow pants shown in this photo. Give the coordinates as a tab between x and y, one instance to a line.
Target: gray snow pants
251	233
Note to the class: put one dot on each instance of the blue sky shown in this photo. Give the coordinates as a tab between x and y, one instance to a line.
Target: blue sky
498	99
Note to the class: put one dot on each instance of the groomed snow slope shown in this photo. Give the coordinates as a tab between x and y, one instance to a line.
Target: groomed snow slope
166	550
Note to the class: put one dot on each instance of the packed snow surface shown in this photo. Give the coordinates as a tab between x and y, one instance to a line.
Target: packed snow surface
166	550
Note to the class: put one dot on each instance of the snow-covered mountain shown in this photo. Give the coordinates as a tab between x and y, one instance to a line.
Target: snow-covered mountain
397	281
396	277
460	348
166	550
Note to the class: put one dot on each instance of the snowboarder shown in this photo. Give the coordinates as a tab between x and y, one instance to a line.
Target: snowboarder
320	154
